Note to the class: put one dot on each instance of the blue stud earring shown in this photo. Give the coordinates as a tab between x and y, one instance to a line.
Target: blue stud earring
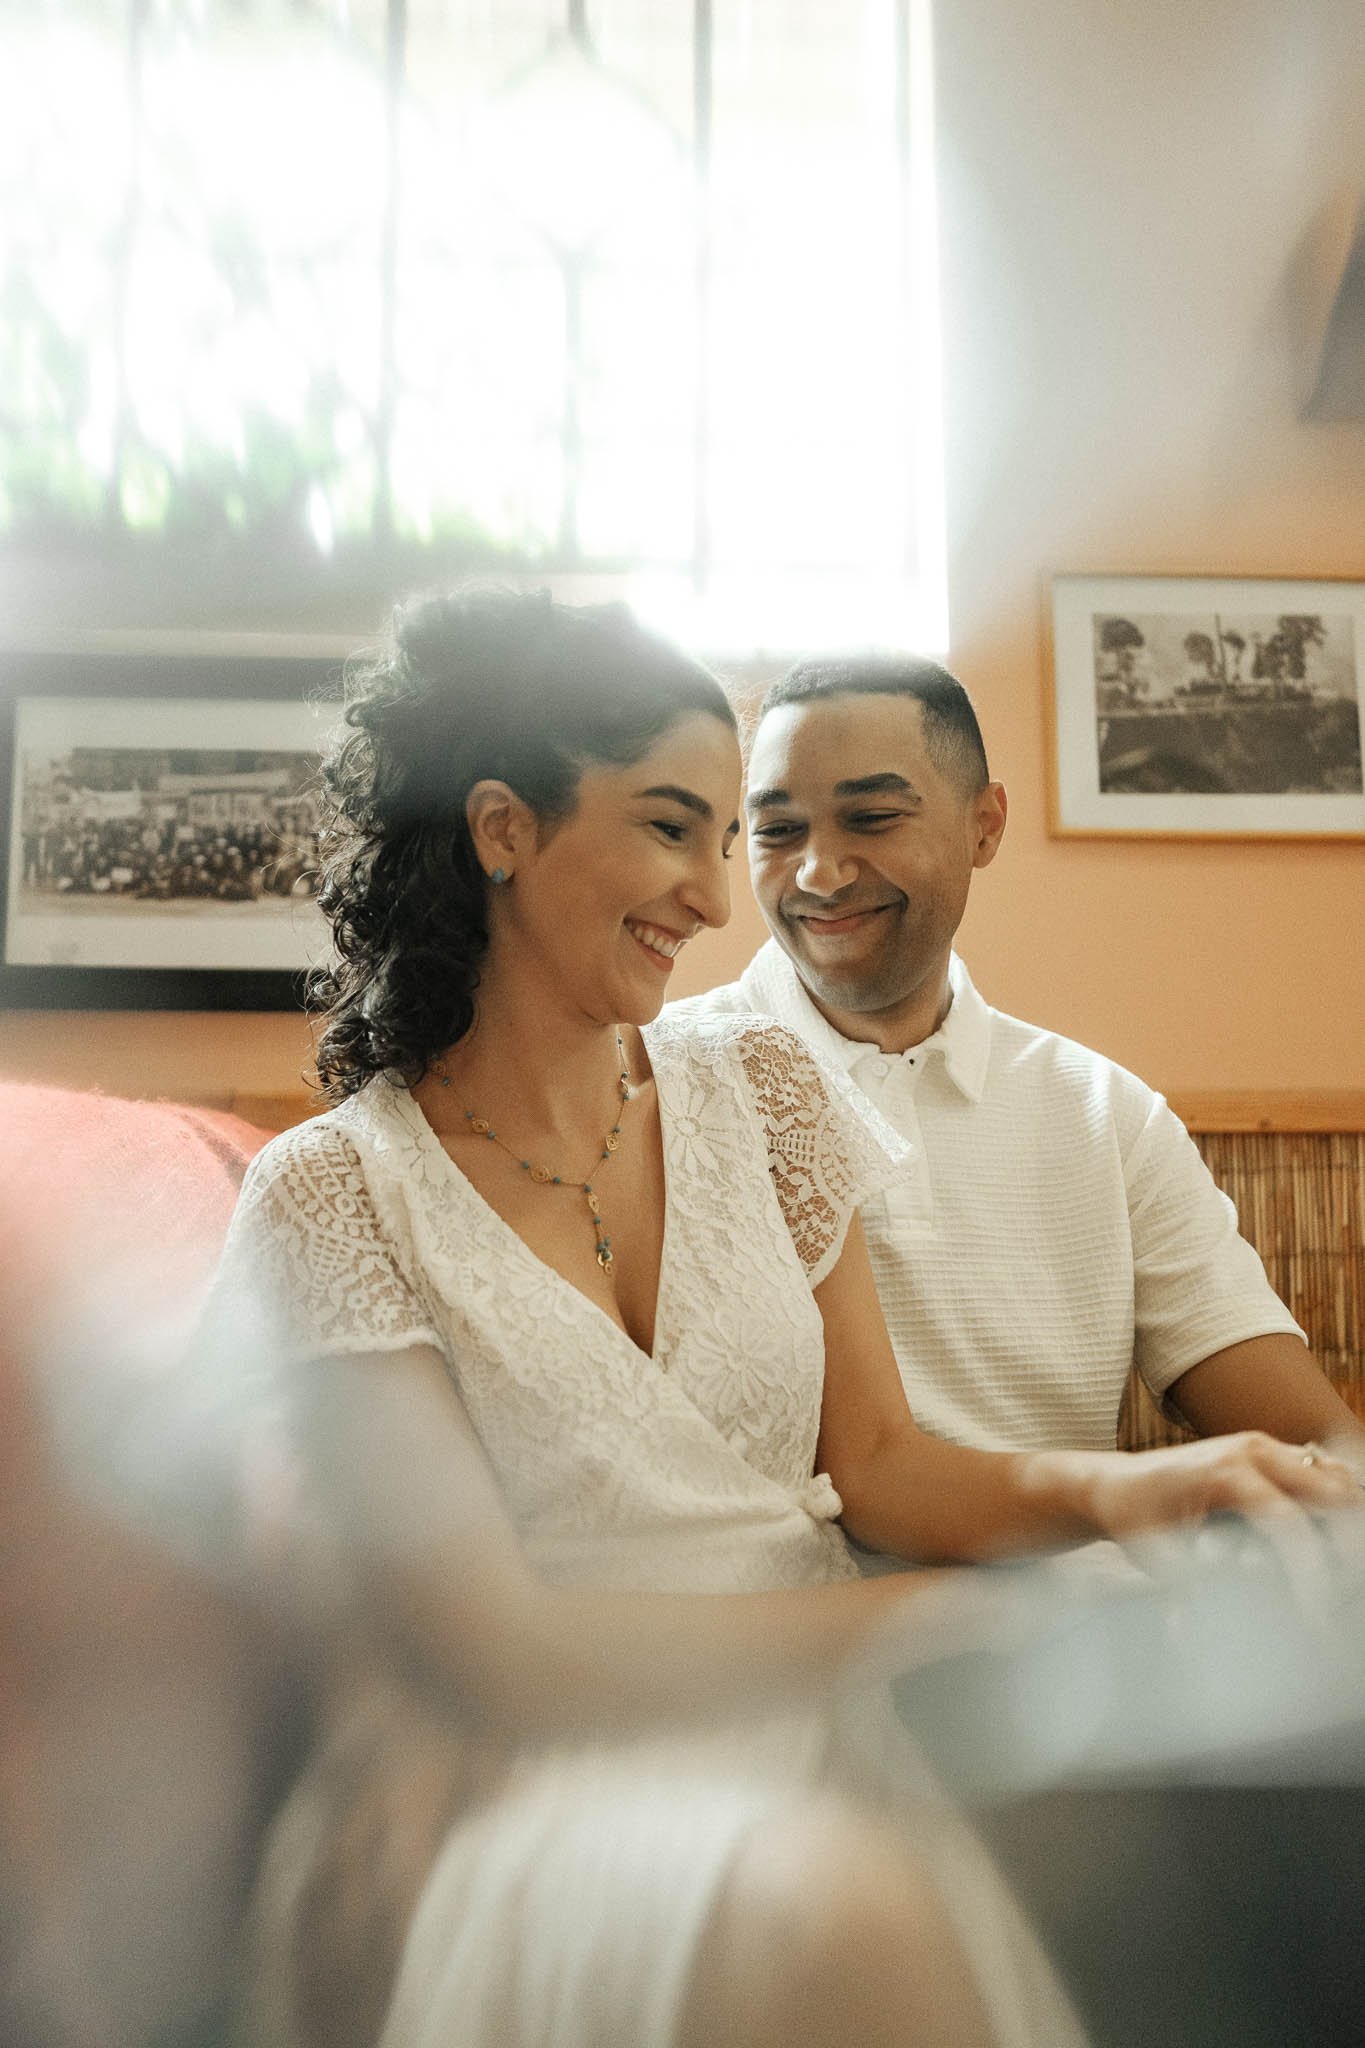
498	875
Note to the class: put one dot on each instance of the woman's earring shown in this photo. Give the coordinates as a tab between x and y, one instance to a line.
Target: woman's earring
498	875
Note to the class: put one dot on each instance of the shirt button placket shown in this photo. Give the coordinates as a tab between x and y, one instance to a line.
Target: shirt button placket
890	1084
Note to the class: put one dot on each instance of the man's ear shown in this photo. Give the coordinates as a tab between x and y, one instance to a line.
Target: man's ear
989	812
502	827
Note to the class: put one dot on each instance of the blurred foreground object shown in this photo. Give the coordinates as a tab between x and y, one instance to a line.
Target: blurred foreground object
137	1712
1170	1772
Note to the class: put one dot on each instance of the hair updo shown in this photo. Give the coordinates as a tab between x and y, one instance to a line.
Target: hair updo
488	684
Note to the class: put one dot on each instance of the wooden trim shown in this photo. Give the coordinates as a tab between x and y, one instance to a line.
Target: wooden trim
1240	839
1202	1109
1270	1109
275	1112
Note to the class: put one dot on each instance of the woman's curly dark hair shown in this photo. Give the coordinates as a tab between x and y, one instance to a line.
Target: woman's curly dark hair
482	684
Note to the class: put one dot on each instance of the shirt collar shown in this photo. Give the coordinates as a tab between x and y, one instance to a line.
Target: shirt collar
772	986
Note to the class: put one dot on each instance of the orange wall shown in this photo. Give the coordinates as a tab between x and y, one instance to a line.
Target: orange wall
1144	211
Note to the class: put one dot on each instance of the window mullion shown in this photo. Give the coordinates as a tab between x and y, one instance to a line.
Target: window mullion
702	54
124	243
395	75
571	268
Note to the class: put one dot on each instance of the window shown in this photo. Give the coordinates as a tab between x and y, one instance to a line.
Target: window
636	290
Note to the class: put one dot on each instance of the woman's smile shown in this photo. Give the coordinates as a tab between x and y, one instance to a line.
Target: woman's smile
659	944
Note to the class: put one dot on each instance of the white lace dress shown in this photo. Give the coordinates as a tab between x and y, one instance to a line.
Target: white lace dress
565	1913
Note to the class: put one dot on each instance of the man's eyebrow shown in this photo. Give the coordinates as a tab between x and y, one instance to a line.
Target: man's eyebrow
887	784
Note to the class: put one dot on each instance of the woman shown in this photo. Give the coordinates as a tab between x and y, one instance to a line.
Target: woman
577	1310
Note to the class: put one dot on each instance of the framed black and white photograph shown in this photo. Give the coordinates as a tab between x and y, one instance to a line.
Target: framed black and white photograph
160	825
1208	707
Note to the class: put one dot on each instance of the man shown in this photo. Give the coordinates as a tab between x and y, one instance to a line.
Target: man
1060	1223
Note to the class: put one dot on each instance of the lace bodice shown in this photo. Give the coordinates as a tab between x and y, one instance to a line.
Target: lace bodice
688	1469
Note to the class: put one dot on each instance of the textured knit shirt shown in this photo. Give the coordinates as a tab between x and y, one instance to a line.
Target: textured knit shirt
1058	1225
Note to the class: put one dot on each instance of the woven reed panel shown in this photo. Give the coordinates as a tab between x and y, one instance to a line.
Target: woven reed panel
1301	1200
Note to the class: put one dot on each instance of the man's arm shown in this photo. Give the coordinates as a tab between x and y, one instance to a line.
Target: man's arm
913	1495
1272	1383
1206	1315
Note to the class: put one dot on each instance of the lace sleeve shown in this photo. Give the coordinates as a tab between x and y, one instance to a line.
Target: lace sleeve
828	1149
308	1262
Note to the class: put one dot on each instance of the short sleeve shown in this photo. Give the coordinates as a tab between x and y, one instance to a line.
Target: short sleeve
308	1263
829	1150
1198	1285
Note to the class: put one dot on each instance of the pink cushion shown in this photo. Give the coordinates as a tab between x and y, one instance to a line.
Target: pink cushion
97	1192
131	1675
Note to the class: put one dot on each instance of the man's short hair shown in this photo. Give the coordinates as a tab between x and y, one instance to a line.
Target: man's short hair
951	732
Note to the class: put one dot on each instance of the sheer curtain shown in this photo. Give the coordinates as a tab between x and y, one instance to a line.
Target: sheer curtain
641	290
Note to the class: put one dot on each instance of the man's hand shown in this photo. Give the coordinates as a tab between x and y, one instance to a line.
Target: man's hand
1248	1474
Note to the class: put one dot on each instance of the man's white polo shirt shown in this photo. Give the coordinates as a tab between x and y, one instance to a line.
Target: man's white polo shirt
1059	1222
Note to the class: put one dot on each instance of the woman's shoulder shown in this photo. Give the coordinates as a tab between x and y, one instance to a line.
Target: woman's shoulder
345	1140
326	1134
794	1093
709	1035
763	1061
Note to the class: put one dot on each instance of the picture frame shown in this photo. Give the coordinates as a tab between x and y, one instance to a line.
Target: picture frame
158	820
1204	707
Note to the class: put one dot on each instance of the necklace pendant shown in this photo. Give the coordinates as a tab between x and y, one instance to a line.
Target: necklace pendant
612	1141
604	1257
541	1175
594	1206
481	1125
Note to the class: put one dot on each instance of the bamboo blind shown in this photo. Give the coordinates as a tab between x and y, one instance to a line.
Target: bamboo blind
1301	1199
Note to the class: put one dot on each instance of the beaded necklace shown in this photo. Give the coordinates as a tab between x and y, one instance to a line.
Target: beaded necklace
545	1176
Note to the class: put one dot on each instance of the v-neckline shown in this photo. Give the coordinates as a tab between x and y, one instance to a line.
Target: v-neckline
428	1139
